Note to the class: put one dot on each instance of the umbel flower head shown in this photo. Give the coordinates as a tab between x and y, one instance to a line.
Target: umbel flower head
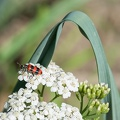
97	91
53	77
26	104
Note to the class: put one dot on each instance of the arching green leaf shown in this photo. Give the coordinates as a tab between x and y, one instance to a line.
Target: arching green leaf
45	50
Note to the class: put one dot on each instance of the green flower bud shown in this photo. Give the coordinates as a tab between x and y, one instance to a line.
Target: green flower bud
97	103
90	108
93	95
98	93
102	91
103	108
83	87
89	93
98	110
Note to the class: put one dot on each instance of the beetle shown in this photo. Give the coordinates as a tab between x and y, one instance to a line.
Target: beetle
31	69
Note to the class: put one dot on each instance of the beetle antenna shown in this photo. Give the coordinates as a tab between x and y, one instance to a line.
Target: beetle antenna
19	64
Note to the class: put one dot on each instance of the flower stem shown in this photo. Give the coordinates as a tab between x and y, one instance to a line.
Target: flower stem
56	96
91	116
87	106
43	87
81	103
39	94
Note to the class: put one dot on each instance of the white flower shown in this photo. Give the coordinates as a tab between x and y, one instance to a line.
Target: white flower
48	111
39	110
33	99
70	113
32	83
24	92
34	80
19	101
16	102
64	83
54	87
3	116
64	91
54	77
72	82
23	76
33	111
53	68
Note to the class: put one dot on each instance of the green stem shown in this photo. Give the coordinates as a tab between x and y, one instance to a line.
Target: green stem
85	116
39	94
77	95
87	106
41	99
56	96
81	103
90	116
43	87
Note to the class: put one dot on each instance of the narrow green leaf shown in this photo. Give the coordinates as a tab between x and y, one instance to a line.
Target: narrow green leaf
33	30
45	51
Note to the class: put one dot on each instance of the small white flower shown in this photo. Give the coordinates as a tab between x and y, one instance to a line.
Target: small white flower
34	99
54	87
70	113
64	91
73	85
23	76
48	111
65	83
16	102
32	83
24	92
3	116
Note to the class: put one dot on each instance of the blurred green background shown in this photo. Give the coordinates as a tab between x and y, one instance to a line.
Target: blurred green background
24	23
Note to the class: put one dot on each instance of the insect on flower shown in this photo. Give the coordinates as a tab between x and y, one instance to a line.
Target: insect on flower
34	70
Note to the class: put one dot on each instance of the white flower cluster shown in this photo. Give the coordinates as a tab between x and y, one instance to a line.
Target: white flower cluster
54	77
70	113
19	101
25	105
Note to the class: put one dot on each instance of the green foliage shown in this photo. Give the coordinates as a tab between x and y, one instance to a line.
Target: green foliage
20	43
36	26
45	50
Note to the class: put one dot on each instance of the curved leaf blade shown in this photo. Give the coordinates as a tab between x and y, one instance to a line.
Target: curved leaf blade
45	51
